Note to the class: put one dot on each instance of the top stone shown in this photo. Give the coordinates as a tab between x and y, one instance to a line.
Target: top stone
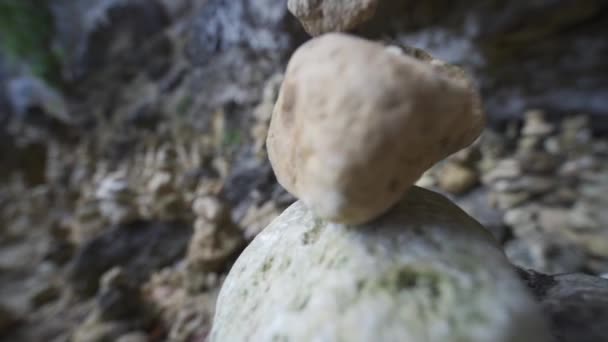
322	16
357	123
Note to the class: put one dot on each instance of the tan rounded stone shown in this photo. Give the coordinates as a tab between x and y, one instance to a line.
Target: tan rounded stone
457	179
357	123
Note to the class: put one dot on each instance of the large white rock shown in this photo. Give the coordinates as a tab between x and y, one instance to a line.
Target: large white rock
321	16
357	123
424	272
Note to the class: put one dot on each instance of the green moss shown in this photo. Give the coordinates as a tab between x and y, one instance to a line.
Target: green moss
405	279
232	138
338	261
286	263
312	235
280	338
26	33
301	300
267	264
184	104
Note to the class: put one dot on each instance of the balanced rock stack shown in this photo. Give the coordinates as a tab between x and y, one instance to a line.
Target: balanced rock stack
365	255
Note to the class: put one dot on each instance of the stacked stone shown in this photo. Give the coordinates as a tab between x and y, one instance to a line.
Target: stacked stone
549	190
507	181
364	255
542	185
533	159
334	163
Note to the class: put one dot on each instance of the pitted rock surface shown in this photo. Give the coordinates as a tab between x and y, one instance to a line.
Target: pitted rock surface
426	271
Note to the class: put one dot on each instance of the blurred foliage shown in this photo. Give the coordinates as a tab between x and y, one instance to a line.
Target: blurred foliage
26	32
232	138
185	104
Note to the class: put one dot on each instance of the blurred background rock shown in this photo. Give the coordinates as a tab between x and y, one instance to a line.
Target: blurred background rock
132	148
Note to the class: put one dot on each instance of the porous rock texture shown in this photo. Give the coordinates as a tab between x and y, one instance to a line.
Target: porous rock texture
356	124
426	271
322	16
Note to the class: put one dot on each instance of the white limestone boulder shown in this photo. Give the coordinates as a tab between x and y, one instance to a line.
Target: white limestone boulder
425	272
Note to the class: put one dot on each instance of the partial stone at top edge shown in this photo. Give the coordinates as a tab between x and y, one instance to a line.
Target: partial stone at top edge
322	16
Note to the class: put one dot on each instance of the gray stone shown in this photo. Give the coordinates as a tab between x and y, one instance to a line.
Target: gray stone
477	204
535	185
136	336
575	304
8	319
523	253
139	247
508	200
235	45
536	125
45	294
537	162
529	143
97	33
95	331
505	169
118	298
27	92
573	168
520	216
561	196
425	271
539	252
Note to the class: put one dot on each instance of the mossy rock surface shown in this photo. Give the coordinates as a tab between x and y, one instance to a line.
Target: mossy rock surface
425	271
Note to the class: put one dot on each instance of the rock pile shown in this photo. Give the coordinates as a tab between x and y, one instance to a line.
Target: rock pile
365	255
541	183
551	197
